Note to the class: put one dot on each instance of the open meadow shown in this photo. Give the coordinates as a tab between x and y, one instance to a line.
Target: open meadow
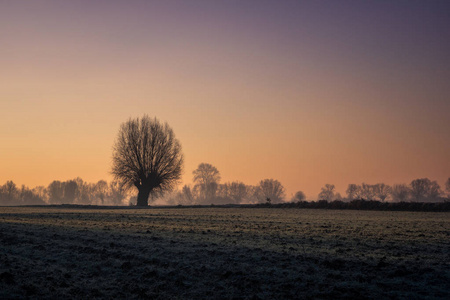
228	253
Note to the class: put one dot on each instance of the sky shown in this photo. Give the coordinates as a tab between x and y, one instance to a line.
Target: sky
305	92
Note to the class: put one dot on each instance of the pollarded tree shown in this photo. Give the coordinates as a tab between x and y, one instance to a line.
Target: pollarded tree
146	155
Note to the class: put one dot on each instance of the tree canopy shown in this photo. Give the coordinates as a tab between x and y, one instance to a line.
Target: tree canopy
146	155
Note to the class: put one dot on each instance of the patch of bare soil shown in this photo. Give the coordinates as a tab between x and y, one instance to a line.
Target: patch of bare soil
221	254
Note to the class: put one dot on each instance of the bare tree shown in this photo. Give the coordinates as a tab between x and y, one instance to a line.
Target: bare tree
223	190
55	192
11	195
299	196
237	191
180	197
27	197
146	155
101	190
270	190
400	192
327	192
116	193
434	191
419	188
11	191
70	191
206	178
188	197
83	191
353	191
41	192
424	189
382	191
368	191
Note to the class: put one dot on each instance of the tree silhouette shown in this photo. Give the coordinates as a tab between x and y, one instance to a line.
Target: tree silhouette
146	155
400	192
327	192
116	193
70	189
353	191
270	189
299	196
425	189
382	191
56	192
206	178
101	190
187	194
237	191
368	191
11	189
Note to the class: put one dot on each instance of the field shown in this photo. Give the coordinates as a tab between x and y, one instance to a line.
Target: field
226	253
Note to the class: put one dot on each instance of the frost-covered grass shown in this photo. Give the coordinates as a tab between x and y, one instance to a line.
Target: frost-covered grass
223	253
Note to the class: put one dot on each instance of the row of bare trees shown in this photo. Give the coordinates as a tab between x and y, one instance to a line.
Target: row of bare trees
207	189
74	191
10	194
419	190
148	157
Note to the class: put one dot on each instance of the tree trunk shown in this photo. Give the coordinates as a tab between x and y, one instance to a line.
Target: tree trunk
142	199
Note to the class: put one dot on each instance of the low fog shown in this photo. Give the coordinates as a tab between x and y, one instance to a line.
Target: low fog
206	189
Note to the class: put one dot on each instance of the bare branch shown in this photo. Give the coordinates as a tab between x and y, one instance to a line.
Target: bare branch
146	155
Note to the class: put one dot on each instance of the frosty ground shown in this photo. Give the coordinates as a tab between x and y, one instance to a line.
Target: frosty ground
229	253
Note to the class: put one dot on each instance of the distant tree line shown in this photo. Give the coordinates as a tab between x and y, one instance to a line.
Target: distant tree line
148	157
419	190
74	191
207	189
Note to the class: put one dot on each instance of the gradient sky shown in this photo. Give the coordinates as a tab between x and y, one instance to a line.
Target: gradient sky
306	92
